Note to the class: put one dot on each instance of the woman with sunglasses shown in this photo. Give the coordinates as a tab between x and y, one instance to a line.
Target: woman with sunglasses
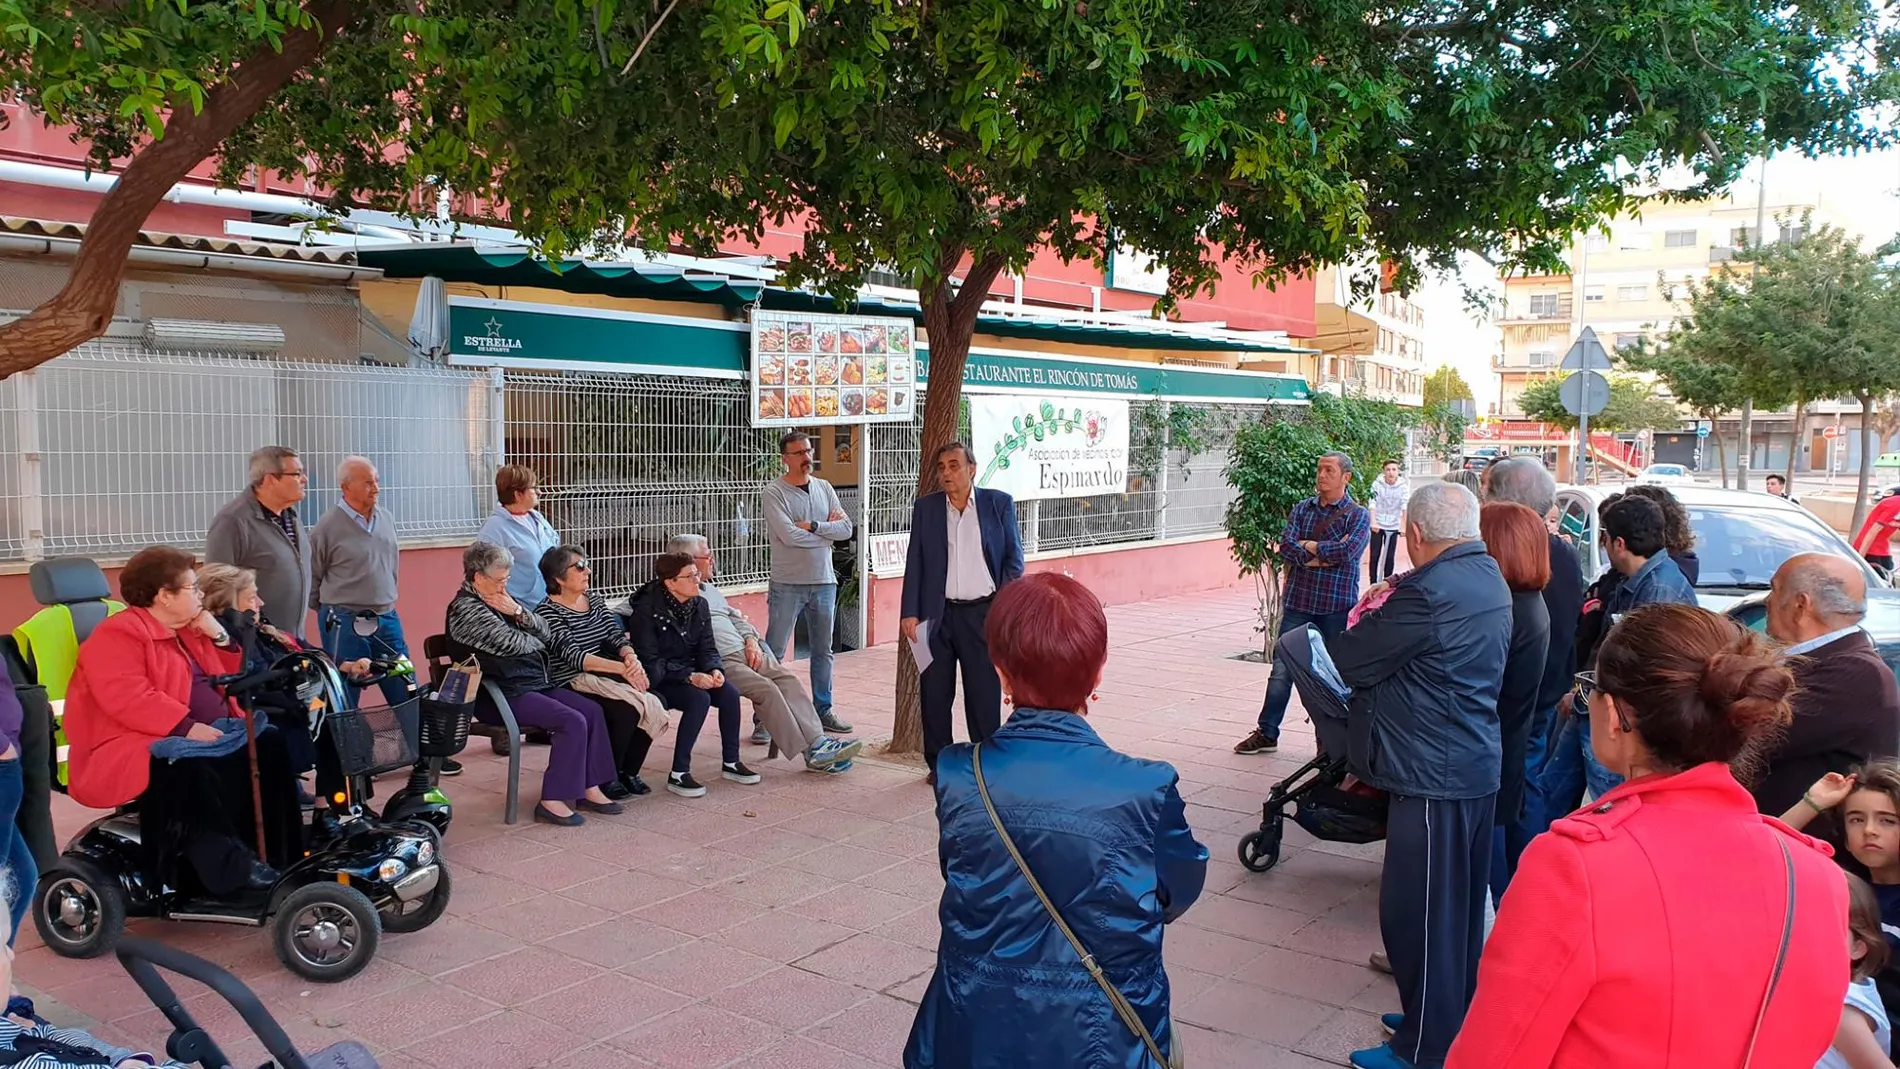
591	643
1667	925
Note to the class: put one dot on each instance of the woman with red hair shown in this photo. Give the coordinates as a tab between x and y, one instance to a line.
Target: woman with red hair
1056	851
1516	537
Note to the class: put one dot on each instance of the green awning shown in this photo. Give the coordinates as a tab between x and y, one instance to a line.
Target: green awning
490	333
460	262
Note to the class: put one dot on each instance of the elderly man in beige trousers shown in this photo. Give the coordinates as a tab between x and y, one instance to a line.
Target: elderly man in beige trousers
782	705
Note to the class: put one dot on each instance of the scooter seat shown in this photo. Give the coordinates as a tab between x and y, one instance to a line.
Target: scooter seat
349	1054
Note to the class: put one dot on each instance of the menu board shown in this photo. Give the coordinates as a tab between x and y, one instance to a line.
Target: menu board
810	369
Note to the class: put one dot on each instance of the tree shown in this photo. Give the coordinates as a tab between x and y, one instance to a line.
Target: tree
1445	387
1633	405
1706	387
1812	318
1271	466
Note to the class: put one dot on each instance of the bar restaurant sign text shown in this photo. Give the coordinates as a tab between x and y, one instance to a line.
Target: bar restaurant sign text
810	369
1050	445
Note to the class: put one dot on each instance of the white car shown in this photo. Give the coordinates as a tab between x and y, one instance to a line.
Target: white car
1741	538
1671	474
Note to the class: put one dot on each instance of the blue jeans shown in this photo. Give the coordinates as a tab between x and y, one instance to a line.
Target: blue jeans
817	605
1569	768
1280	684
342	643
14	853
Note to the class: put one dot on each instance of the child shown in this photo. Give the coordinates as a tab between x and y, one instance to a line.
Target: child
1864	1039
1869	811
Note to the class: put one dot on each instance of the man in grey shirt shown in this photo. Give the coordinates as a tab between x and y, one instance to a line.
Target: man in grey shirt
804	521
354	558
774	691
259	530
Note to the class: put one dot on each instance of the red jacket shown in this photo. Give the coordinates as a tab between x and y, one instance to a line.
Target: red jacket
130	689
1641	933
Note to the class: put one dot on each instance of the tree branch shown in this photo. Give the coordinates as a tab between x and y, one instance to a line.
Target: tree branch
651	30
83	308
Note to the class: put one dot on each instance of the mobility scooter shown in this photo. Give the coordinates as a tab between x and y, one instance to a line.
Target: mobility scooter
359	875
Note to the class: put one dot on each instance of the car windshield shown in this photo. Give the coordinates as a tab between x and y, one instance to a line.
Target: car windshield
1666	469
1742	547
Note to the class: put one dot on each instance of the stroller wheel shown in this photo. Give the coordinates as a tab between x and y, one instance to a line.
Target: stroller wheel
1260	850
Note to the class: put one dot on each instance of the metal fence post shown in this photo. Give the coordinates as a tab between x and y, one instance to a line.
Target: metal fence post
497	420
32	504
1161	474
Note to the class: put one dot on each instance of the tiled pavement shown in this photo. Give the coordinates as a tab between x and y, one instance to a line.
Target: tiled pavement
793	924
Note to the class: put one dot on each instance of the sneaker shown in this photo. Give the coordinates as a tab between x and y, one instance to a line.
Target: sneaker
451	767
738	773
636	787
832	724
760	736
828	751
1257	743
833	770
684	785
1379	1057
1391	1022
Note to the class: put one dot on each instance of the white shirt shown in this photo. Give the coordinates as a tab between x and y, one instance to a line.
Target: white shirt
1388	503
968	577
1863	996
1818	641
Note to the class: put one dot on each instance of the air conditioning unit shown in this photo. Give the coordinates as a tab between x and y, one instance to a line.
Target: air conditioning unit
213	336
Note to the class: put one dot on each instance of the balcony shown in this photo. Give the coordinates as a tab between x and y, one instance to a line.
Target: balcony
1540	312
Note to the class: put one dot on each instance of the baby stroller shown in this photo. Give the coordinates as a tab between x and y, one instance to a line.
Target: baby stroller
1319	802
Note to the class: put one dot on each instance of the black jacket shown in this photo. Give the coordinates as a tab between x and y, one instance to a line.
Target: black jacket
1846	712
1518	696
1425	669
670	653
1563	601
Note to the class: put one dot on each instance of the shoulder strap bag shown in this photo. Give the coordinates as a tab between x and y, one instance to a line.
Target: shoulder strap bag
1123	1008
1781	956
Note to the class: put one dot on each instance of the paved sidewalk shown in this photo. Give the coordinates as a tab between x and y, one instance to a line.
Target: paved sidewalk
792	925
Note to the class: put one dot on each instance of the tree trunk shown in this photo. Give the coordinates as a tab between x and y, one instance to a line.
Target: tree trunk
1744	444
1272	609
1867	447
82	309
950	323
1794	442
1721	451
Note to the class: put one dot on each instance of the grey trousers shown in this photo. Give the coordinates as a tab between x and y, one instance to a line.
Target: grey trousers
779	700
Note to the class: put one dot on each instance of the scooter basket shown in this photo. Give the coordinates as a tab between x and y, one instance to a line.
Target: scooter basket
374	740
444	728
1334	815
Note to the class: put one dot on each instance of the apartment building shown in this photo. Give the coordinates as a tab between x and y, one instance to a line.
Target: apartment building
1372	345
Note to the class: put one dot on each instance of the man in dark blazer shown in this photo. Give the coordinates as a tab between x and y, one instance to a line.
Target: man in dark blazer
1846	704
964	546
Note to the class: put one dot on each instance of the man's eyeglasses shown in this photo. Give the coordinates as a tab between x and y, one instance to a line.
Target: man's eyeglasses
297	474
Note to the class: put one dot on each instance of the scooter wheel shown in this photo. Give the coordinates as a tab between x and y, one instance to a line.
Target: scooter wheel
326	932
1257	853
405	917
79	911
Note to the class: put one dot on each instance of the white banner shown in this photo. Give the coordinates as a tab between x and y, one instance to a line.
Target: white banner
1050	445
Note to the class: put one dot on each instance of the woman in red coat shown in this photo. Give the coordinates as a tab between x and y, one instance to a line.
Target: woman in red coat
143	680
1646	931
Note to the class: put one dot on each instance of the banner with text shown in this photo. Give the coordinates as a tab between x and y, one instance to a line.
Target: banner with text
1034	446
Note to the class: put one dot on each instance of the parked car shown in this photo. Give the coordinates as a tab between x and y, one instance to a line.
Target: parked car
1481	457
1669	474
1741	538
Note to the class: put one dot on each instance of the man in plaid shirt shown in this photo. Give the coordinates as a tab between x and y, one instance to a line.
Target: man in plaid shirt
1324	540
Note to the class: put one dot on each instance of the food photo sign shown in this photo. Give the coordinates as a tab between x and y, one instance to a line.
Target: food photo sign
815	369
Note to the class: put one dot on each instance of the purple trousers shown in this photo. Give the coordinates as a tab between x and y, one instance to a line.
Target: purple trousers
580	755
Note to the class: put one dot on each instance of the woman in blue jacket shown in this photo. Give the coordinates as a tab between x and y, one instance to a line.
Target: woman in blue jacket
1107	848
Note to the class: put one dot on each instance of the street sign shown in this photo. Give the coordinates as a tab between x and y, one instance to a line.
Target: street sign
1830	433
1586	354
1702	430
1584	393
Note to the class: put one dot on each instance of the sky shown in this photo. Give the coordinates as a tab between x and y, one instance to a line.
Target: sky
1871	182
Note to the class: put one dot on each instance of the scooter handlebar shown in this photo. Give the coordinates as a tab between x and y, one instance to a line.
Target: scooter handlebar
241	683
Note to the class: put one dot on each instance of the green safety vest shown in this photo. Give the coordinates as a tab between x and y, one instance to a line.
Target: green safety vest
50	648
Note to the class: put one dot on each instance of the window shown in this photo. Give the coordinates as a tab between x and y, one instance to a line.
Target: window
1633	242
1628	341
1679	239
1597	243
1592	294
1545	305
1792	234
1543	357
1743	235
1632	293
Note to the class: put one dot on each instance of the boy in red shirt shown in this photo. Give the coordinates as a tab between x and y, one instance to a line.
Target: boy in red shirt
1875	541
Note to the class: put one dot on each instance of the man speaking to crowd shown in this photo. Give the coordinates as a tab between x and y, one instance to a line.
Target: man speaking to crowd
1425	669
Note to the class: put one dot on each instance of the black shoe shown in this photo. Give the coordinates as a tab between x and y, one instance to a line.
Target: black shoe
684	785
616	791
738	773
262	877
543	815
635	786
451	767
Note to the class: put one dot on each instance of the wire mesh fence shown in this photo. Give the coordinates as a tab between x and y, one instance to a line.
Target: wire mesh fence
112	448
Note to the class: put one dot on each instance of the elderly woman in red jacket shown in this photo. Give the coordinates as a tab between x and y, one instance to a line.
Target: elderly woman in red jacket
1667	925
145	723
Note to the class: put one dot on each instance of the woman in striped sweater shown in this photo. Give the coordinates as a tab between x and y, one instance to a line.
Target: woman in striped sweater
592	654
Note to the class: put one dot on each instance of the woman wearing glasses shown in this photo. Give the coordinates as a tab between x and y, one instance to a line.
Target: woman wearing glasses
592	654
672	633
1667	925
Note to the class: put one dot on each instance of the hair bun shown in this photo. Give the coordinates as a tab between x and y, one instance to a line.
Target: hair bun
1747	685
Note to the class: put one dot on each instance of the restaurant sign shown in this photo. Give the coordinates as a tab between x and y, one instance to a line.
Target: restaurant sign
810	369
999	371
1052	445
